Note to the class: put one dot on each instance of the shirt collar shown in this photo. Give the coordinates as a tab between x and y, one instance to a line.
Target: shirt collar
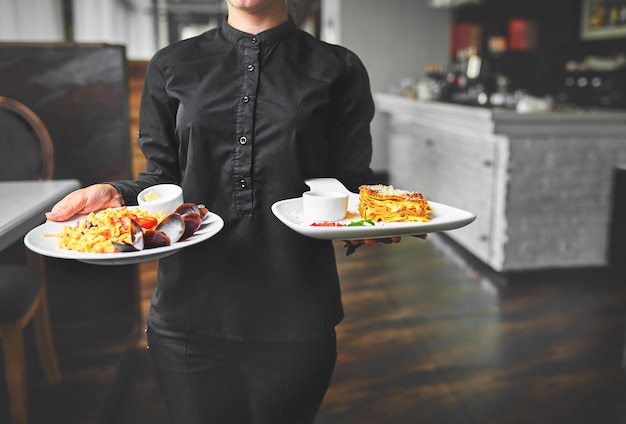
268	37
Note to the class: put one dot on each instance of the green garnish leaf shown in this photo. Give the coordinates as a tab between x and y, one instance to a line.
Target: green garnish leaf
361	223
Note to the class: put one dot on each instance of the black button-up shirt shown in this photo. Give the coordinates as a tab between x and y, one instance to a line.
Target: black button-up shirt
240	121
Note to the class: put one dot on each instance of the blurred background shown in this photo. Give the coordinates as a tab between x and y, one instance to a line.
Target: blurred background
512	109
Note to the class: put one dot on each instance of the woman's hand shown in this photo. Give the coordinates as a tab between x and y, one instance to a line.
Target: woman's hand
82	201
352	245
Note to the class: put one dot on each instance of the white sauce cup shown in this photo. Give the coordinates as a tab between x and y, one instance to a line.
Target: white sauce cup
160	199
324	205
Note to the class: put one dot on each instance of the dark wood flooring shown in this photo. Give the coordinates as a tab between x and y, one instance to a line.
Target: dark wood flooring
429	337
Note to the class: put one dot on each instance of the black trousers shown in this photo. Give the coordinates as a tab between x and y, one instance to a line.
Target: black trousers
207	380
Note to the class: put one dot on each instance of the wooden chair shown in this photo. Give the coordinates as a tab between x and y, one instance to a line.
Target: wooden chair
26	144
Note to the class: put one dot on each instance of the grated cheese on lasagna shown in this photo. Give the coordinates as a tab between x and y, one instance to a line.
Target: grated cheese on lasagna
385	203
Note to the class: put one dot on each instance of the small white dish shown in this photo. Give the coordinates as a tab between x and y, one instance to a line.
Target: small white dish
161	198
325	205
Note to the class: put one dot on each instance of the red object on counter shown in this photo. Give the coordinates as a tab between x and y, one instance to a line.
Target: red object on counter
464	36
522	35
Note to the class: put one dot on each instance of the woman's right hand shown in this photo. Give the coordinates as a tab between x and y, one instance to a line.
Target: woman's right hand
82	201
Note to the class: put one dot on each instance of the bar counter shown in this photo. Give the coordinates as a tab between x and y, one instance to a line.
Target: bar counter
541	184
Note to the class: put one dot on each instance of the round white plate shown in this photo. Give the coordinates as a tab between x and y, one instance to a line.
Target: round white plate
47	246
444	218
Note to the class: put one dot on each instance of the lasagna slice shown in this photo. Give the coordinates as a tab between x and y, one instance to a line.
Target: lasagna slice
385	203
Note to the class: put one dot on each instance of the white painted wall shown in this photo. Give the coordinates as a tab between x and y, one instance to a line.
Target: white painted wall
31	21
107	21
95	21
393	38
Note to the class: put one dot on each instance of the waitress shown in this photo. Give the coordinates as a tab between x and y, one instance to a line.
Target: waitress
241	328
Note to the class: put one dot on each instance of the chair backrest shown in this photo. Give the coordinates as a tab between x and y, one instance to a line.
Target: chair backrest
26	150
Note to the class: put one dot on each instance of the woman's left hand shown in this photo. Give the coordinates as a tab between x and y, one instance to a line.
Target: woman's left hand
352	245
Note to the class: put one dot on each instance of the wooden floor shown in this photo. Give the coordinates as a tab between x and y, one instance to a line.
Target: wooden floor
429	337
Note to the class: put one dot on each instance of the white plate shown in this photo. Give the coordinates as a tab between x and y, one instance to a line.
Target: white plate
47	246
290	213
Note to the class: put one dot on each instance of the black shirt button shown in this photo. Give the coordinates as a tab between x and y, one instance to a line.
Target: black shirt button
250	67
254	40
243	183
245	99
243	139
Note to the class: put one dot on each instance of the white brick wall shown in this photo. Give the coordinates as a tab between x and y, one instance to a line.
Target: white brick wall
559	200
541	185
